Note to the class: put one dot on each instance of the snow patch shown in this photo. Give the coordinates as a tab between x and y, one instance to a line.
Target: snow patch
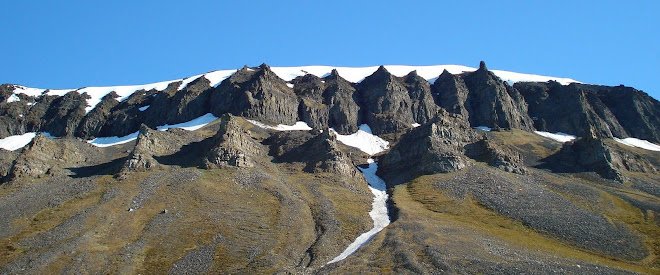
16	142
289	85
13	98
558	136
355	74
430	73
364	140
214	77
378	211
415	125
143	108
298	126
639	143
190	126
111	141
484	128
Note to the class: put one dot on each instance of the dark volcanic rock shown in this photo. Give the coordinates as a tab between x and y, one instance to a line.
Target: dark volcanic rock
7	158
594	155
319	152
496	155
388	101
341	98
64	114
12	121
152	143
93	122
584	110
190	102
257	94
487	100
312	109
436	147
47	156
559	108
636	111
232	146
125	118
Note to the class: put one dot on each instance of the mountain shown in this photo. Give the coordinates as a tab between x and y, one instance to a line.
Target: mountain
318	169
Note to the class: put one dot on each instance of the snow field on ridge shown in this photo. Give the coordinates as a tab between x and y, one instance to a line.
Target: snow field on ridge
189	125
352	74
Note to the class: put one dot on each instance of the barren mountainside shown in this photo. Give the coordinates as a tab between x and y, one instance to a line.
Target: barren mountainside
281	170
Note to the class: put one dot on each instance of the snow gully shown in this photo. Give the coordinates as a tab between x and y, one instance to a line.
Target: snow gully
378	211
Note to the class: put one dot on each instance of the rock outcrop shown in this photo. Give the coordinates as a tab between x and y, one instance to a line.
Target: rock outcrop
319	152
92	124
152	143
496	155
256	93
484	98
231	146
341	98
47	156
436	147
582	109
591	154
392	104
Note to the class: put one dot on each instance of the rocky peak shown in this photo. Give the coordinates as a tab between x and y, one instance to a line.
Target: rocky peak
231	146
436	147
482	66
295	146
258	94
596	155
491	103
151	144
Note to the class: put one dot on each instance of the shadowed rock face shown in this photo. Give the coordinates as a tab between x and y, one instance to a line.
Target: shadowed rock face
484	98
496	155
436	147
257	94
297	146
46	156
151	143
92	124
393	104
585	109
594	155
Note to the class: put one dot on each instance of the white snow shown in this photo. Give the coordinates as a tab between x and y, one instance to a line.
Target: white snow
364	140
415	125
639	143
378	211
357	74
352	74
143	108
190	126
289	85
298	126
215	77
13	98
16	142
110	141
558	136
484	128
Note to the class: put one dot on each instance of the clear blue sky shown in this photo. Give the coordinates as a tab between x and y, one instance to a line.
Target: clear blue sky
69	44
